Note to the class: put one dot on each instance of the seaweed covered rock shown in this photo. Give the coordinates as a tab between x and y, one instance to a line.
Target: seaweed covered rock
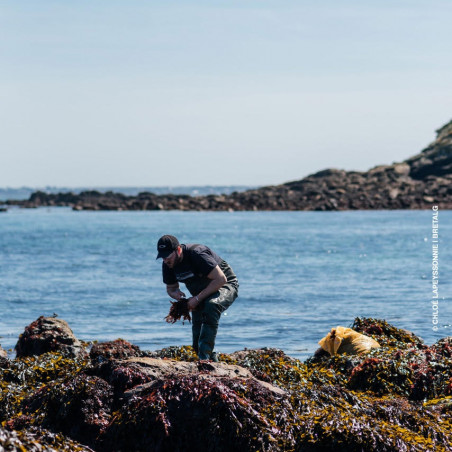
117	349
24	376
396	397
192	413
48	334
385	333
38	440
131	377
404	366
79	407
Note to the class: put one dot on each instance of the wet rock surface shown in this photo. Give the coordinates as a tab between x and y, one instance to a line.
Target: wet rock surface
416	183
119	398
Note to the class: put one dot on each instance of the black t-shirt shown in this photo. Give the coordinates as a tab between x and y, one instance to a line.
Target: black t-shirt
197	262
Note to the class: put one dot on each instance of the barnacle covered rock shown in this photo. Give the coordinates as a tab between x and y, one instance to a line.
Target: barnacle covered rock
48	334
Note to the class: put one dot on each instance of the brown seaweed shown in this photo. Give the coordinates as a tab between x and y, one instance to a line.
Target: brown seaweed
178	310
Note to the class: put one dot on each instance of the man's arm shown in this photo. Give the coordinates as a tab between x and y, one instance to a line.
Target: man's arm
218	279
174	292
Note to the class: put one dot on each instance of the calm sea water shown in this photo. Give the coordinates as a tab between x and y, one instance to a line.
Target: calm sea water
300	273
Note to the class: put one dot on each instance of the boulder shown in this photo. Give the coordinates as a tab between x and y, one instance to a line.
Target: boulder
117	349
48	334
204	406
80	407
154	369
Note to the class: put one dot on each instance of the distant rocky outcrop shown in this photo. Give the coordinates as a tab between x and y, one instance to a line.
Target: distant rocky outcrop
416	183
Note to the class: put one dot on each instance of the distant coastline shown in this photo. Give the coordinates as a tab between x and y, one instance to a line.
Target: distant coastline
419	182
24	193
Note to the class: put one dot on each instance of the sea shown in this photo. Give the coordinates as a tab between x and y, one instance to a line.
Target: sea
300	274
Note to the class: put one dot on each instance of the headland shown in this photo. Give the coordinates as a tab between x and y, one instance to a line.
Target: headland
416	183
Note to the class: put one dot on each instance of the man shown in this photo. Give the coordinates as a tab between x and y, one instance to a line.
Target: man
209	279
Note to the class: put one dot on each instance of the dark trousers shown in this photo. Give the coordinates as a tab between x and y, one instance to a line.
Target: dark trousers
207	316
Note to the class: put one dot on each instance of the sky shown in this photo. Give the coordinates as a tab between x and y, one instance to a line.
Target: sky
148	93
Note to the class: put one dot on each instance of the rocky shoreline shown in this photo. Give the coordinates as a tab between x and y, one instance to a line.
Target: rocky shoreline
63	394
416	183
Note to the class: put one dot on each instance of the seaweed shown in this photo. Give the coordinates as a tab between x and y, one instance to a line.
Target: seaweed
178	353
178	310
396	397
190	413
38	440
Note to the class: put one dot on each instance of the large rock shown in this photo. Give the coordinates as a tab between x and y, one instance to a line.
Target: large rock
436	159
157	369
130	404
117	349
3	353
48	334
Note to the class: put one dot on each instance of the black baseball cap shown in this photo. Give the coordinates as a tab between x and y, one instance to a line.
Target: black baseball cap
166	245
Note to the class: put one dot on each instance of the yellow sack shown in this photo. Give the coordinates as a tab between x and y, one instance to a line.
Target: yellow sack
346	340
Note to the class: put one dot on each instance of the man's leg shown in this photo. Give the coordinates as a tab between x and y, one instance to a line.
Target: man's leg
210	317
196	319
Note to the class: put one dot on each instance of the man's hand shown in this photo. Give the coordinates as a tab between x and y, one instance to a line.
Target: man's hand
192	303
178	294
174	291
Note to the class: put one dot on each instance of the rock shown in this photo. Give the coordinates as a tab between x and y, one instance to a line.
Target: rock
37	440
48	334
191	413
396	397
80	408
3	353
402	169
117	349
157	369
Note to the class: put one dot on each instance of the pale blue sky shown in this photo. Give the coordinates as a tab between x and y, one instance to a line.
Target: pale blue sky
142	93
